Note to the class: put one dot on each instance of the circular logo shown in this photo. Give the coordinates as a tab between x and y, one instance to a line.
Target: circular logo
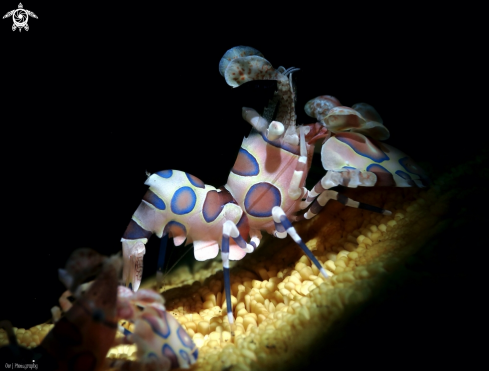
20	17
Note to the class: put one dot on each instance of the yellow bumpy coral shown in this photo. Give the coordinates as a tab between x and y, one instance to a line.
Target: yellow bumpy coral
284	308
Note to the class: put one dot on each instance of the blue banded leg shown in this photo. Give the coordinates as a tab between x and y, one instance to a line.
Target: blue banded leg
280	217
229	229
312	194
124	331
327	195
349	178
225	269
256	236
280	231
161	261
295	190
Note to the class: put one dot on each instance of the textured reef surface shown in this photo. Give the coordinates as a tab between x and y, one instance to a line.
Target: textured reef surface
387	274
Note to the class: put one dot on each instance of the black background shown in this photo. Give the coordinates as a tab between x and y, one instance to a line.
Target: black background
94	96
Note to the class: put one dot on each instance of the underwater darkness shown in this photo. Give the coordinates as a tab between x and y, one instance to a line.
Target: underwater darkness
89	108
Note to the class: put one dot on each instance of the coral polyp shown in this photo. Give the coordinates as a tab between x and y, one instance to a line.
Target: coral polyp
283	306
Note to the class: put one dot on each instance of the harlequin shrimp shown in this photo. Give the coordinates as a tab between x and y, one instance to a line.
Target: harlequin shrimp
265	188
81	338
158	335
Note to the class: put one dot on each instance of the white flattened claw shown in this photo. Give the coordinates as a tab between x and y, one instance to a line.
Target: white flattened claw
236	52
343	118
361	118
368	112
374	126
320	106
241	70
373	130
